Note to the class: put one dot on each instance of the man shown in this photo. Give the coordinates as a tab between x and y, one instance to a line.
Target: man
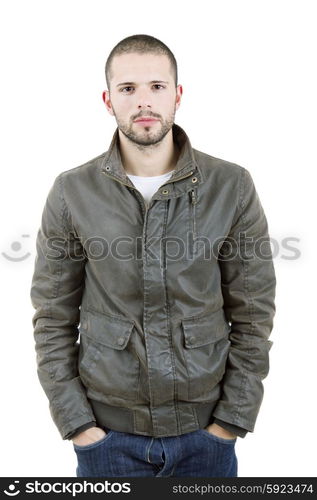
159	256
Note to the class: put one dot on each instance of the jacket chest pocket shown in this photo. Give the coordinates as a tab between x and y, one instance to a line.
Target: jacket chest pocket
106	363
206	347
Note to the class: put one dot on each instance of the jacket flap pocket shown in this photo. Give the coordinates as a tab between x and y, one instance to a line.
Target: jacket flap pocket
199	331
111	331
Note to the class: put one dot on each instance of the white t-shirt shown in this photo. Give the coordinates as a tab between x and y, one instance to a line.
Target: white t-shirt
149	185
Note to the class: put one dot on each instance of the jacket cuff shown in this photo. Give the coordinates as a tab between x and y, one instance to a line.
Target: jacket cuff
239	431
81	429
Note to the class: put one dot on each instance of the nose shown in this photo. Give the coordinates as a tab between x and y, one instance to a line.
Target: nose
144	99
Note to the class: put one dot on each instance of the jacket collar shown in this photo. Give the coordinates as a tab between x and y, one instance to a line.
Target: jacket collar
186	164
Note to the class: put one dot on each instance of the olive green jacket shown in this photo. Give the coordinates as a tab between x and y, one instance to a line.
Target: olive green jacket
172	302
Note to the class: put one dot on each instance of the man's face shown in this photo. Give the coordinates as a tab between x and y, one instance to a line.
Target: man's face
143	86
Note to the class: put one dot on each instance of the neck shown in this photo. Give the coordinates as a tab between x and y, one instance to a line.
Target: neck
151	160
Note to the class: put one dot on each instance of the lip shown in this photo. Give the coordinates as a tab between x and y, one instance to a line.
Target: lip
146	120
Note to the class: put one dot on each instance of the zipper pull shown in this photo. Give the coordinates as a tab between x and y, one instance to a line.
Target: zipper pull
193	196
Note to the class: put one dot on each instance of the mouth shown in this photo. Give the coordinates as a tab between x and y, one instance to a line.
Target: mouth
146	121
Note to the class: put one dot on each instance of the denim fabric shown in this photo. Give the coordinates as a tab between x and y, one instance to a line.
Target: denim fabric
195	454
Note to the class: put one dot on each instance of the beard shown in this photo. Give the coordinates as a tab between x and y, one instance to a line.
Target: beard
146	136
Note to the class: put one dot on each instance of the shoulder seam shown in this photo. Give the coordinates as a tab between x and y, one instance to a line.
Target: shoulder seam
65	210
84	164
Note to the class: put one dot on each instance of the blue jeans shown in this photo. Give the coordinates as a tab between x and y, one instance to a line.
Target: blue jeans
195	454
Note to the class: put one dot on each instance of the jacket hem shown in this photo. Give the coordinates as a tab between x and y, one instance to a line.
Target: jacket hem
124	419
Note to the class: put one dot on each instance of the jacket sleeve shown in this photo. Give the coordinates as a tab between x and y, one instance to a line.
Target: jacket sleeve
56	292
238	431
81	429
248	288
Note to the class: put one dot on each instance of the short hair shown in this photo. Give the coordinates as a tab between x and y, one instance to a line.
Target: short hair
142	44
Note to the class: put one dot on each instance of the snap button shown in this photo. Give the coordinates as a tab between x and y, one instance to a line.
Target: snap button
84	325
191	340
165	191
194	179
108	168
120	341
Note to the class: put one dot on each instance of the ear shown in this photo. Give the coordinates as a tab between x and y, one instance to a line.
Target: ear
107	101
179	93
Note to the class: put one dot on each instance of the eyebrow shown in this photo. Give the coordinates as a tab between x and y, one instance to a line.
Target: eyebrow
133	83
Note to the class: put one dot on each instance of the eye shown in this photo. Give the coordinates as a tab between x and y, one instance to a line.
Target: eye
156	85
126	90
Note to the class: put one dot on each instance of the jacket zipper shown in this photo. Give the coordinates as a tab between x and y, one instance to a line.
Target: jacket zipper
192	223
193	197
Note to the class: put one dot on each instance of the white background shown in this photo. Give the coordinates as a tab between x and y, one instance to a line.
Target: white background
248	69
